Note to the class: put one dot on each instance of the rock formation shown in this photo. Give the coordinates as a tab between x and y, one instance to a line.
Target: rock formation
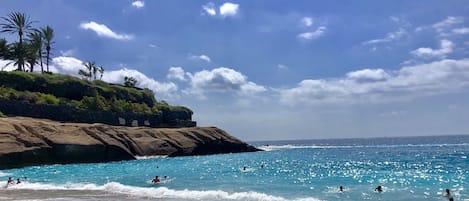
29	141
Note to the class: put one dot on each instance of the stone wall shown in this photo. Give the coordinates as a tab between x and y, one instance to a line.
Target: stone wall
65	113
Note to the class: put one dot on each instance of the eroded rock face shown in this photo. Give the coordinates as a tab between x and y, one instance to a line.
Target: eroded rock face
28	141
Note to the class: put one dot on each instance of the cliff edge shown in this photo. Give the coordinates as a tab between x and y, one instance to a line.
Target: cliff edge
28	141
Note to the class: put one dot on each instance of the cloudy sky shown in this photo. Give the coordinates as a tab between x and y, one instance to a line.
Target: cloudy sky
278	69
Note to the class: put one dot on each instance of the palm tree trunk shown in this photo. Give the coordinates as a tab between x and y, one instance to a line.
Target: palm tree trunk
40	59
47	57
20	52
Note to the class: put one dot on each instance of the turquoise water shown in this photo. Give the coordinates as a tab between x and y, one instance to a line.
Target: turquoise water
407	168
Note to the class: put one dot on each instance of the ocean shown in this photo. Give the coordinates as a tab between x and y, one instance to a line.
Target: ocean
408	168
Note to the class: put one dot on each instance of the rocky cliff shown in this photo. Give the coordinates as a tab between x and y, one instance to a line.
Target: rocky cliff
28	141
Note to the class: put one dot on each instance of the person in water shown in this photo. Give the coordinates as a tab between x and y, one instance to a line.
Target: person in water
448	194
10	181
18	181
155	180
379	189
341	189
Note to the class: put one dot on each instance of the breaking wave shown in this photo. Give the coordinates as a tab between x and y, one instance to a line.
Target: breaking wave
159	192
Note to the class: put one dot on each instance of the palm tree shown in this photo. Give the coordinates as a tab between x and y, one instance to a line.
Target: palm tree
90	66
83	73
35	39
34	50
95	70
12	52
48	35
17	22
31	56
3	49
101	72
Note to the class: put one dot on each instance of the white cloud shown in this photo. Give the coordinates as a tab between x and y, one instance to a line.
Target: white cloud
176	73
103	31
66	65
368	75
320	31
68	53
436	78
389	37
464	30
442	26
7	65
281	66
221	80
229	9
307	21
138	4
165	89
446	47
209	8
152	46
202	57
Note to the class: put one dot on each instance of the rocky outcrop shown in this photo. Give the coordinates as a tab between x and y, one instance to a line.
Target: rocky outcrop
28	141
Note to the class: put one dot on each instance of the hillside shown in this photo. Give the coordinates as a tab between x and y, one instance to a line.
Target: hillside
42	94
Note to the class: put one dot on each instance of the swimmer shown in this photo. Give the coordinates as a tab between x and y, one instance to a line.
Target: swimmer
18	181
341	189
448	193
244	168
262	166
379	189
155	180
10	181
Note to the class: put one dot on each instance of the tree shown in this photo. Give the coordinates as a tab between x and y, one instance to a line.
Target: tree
130	81
83	73
48	35
17	22
95	71
91	68
36	43
3	49
101	72
34	50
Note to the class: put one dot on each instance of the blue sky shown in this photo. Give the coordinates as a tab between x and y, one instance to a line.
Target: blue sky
277	69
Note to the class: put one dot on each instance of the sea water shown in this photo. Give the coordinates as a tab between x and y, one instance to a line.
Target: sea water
416	168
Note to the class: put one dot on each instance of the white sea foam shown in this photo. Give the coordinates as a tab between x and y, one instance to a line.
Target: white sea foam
3	174
159	192
289	146
150	157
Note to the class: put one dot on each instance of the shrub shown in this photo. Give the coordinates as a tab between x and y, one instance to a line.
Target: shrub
2	115
96	102
47	99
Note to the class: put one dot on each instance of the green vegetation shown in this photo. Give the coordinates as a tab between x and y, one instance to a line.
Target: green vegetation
130	81
2	115
82	94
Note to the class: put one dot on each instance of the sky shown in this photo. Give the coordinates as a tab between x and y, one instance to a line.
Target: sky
277	69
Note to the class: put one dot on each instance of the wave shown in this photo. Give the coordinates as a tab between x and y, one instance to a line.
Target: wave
4	174
290	146
159	192
150	157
